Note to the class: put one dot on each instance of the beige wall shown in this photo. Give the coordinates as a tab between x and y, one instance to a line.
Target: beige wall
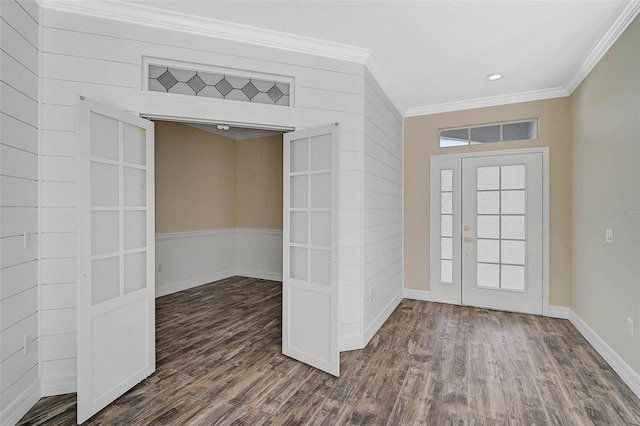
606	194
421	140
205	181
259	183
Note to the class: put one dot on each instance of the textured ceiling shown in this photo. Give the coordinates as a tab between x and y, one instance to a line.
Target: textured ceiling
439	52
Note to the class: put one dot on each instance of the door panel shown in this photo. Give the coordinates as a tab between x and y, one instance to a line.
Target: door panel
502	232
116	285
310	248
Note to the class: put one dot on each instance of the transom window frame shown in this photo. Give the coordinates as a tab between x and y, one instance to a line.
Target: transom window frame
242	73
471	127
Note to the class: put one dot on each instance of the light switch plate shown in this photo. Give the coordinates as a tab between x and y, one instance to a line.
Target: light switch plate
609	236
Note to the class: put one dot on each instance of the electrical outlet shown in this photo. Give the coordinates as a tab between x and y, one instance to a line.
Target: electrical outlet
28	344
26	242
630	327
160	268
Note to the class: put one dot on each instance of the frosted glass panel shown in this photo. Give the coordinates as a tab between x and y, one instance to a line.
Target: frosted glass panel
105	137
488	227
446	226
298	191
512	177
321	152
446	180
513	202
135	187
446	248
321	228
134	145
446	271
489	202
513	252
299	155
446	203
489	251
488	275
104	184
105	279
488	178
513	227
513	277
104	232
298	227
135	229
298	263
135	271
321	190
321	266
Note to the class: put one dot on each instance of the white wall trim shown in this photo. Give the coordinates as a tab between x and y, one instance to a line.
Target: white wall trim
198	25
379	321
256	231
512	98
554	311
194	282
628	12
626	373
261	275
21	405
412	294
376	71
59	384
195	234
350	343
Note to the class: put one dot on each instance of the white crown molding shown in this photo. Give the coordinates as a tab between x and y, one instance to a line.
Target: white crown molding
236	136
376	71
198	25
628	12
513	98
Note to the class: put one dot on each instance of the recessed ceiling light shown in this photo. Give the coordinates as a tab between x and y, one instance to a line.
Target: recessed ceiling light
494	77
222	127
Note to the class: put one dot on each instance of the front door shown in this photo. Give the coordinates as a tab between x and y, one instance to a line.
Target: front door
116	284
487	233
310	248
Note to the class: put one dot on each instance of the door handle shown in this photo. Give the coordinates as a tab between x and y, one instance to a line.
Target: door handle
468	239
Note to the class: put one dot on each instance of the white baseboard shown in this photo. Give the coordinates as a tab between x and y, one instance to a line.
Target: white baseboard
379	321
59	384
194	282
557	312
350	343
409	293
626	373
263	275
21	405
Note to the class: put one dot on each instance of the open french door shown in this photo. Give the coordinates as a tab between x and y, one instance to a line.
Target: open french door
116	255
310	248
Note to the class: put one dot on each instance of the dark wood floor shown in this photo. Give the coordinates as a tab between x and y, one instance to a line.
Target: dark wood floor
219	362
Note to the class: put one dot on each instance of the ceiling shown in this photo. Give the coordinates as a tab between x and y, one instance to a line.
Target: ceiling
235	133
435	55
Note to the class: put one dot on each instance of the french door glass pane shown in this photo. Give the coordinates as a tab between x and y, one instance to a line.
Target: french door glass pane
513	277
446	203
104	184
298	192
104	137
298	227
135	187
446	180
135	229
512	227
488	275
446	271
105	232
512	177
298	263
489	202
513	252
105	279
299	155
321	152
321	190
321	228
446	225
512	202
488	178
489	251
134	145
446	248
488	226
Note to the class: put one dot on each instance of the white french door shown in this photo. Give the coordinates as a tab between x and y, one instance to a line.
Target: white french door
116	255
310	248
487	245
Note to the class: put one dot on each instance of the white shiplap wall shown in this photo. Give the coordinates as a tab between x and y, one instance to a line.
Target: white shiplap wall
101	59
382	207
19	69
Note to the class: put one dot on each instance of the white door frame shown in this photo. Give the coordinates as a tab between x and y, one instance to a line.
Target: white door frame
454	161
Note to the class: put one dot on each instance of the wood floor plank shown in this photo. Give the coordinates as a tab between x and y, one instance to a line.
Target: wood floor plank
219	362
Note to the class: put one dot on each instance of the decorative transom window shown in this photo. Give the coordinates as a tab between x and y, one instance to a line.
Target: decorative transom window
488	133
218	85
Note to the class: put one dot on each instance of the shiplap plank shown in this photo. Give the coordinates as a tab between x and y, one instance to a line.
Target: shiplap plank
18	76
59	346
18	307
90	70
58	321
18	278
350	314
16	366
17	220
61	92
59	270
59	194
59	169
15	390
18	47
329	100
13	337
32	8
58	296
58	244
59	143
18	192
59	219
18	163
18	105
23	23
60	367
381	101
17	134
